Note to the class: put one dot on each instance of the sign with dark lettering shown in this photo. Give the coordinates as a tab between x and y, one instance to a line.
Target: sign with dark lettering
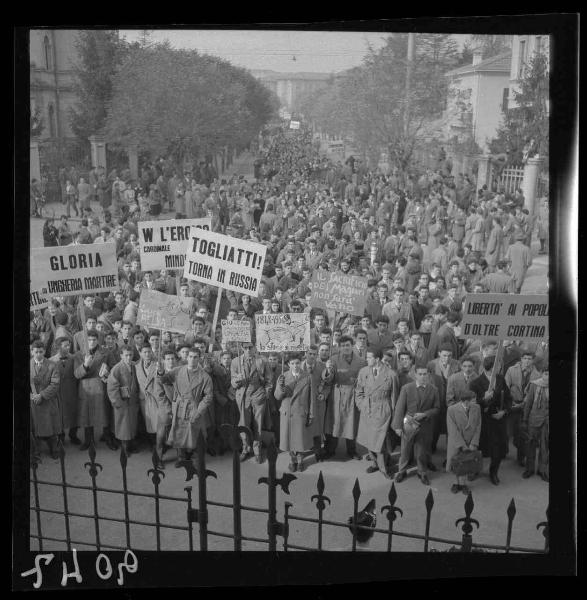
225	262
236	330
163	244
74	270
283	332
163	311
38	301
335	291
505	317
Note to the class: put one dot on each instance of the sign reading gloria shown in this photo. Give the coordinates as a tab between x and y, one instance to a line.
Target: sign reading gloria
236	330
283	332
163	244
73	270
505	317
165	312
338	292
224	261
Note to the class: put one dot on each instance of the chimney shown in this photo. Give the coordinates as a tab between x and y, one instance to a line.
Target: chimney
477	56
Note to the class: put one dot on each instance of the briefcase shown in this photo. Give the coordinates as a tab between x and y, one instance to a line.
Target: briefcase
467	462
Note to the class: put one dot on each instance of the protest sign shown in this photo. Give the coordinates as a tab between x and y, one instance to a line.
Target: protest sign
224	261
283	332
38	301
236	330
337	292
294	124
505	317
163	244
164	311
336	149
74	270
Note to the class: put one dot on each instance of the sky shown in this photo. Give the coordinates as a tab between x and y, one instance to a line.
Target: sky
314	51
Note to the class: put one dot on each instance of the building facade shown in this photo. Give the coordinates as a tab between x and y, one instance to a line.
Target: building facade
52	57
524	47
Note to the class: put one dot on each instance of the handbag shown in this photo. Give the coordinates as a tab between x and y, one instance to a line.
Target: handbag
467	462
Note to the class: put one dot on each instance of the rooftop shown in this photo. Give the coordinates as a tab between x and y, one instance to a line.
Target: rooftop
500	63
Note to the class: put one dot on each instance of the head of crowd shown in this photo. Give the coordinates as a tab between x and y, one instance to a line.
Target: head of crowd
422	240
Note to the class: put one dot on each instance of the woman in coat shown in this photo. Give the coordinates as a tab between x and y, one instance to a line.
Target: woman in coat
463	425
123	392
44	398
91	370
376	394
294	391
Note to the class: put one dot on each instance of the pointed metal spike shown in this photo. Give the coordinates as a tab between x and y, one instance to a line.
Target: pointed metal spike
392	495
429	502
154	458
123	457
320	485
356	489
92	450
271	451
469	504
511	512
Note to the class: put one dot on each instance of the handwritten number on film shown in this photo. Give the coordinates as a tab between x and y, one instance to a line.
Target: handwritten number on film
104	568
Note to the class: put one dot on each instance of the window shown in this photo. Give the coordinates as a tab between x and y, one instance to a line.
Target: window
521	58
504	101
47	50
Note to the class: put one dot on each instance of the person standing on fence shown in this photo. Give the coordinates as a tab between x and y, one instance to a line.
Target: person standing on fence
195	398
520	258
535	423
413	421
463	424
376	393
252	380
123	392
294	391
44	398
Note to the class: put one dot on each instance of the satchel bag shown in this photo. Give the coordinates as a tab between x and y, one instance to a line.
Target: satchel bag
411	426
467	462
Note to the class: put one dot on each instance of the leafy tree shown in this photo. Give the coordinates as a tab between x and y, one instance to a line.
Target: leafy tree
527	122
100	52
491	45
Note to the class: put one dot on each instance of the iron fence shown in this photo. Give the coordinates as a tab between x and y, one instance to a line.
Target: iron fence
195	508
511	179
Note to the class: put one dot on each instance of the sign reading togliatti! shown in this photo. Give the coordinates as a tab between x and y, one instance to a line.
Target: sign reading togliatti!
163	244
225	262
505	317
74	270
338	292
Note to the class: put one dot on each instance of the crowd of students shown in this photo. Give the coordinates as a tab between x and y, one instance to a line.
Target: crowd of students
398	375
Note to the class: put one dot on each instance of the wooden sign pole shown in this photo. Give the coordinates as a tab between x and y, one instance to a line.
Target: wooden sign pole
498	359
215	320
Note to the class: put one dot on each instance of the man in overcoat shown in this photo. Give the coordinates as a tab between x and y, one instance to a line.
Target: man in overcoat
194	393
296	411
520	258
463	425
342	418
44	398
535	422
518	378
457	383
252	380
68	401
413	421
495	407
91	370
165	394
146	372
376	393
123	392
225	408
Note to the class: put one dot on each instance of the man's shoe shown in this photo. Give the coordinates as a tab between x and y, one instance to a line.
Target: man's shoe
372	469
112	444
293	467
432	467
75	440
424	479
455	488
400	477
493	478
465	489
527	474
544	476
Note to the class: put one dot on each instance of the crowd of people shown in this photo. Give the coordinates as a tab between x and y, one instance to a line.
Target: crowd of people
399	375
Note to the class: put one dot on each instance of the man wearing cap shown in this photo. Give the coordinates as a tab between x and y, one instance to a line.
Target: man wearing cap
252	380
413	421
44	398
520	258
68	401
342	415
376	395
91	369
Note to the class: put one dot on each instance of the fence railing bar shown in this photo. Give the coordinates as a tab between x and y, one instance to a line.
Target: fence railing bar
220	534
52	539
254	539
37	503
295	547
